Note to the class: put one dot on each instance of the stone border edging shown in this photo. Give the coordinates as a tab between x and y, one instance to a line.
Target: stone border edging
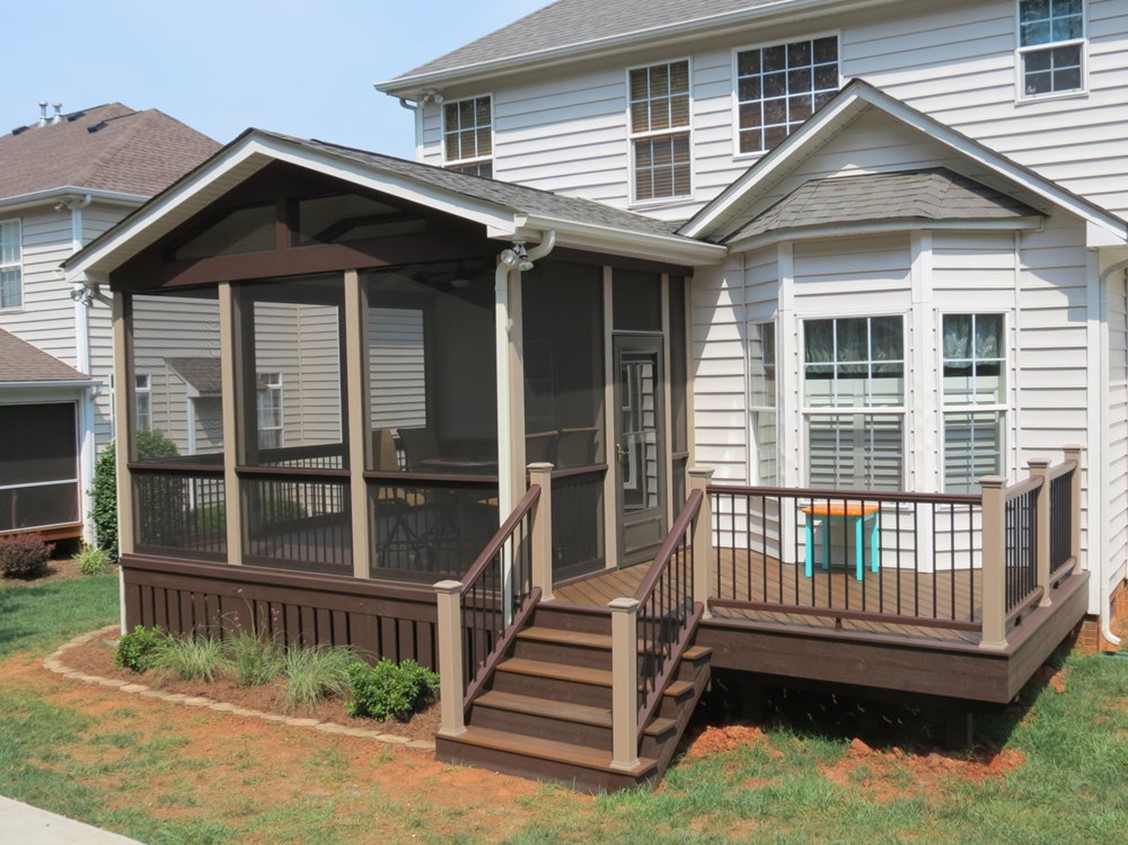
54	663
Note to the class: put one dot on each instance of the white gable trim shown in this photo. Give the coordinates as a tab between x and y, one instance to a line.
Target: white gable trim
855	98
809	233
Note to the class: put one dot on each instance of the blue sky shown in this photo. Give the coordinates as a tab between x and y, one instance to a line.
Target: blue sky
303	68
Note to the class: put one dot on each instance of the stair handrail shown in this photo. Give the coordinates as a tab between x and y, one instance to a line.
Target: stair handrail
497	597
667	613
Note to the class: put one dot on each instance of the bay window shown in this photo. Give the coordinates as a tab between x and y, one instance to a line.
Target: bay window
762	371
974	399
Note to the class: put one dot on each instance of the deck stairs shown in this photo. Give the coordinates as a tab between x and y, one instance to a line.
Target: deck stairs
546	712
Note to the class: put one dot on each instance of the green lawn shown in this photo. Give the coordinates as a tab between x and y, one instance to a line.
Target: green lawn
1068	784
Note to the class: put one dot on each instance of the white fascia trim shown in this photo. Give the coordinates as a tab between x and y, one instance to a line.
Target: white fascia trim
652	37
780	158
15	392
65	192
590	236
840	231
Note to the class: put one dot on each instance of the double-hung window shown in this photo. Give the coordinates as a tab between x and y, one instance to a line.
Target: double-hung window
854	393
974	399
143	402
468	136
659	117
1051	46
269	401
11	265
762	400
779	87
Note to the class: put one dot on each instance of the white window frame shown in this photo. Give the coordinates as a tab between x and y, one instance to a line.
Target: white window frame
770	403
271	385
736	101
467	163
142	397
1000	408
633	137
900	411
17	264
1021	52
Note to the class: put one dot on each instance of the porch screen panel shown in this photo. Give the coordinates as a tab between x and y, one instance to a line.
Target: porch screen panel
38	466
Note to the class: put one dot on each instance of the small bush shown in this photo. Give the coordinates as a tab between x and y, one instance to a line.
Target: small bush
92	560
138	649
254	660
24	555
103	510
389	690
192	658
316	672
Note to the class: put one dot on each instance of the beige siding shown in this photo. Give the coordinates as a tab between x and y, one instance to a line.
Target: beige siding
1117	458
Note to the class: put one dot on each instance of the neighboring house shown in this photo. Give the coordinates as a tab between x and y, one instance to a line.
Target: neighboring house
63	181
890	314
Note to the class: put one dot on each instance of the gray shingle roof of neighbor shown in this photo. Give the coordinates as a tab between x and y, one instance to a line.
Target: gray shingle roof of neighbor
22	362
505	194
109	148
202	373
573	22
932	194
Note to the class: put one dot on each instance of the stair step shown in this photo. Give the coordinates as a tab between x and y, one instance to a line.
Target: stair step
583	714
548	749
696	652
556	671
563	637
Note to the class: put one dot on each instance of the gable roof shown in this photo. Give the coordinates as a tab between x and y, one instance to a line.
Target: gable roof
933	195
731	209
572	29
110	148
509	211
22	363
202	373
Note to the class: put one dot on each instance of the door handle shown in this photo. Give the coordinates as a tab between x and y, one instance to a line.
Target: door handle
620	452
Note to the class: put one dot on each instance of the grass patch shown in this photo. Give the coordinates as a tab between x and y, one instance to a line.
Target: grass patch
40	618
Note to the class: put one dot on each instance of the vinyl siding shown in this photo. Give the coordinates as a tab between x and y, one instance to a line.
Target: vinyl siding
1117	458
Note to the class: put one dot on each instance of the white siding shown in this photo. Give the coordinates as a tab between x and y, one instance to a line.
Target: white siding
1117	458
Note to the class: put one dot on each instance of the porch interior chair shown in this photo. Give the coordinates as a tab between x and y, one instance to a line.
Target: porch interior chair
419	445
575	447
540	447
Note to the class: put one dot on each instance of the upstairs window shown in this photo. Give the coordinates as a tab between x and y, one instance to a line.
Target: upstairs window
11	265
659	107
468	136
1051	46
779	87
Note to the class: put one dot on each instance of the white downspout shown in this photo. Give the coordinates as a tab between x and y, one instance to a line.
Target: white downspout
509	260
1103	563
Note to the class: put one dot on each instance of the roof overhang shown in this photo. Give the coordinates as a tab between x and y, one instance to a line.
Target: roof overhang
67	193
861	229
255	149
77	384
412	85
715	220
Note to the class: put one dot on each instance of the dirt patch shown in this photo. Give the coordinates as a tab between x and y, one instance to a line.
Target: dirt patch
726	738
1051	676
95	657
896	774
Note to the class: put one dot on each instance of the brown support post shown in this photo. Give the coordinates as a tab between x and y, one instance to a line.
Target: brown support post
1040	468
699	478
542	530
449	624
123	424
356	417
624	683
994	634
1073	453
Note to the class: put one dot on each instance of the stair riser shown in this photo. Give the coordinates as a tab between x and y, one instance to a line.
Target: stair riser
541	727
534	768
573	620
571	655
551	688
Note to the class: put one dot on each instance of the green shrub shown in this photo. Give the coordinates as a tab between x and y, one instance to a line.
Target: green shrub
254	660
92	560
315	672
24	555
103	511
138	649
389	690
210	519
192	658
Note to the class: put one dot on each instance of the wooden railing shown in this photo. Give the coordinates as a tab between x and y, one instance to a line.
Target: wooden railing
479	617
974	563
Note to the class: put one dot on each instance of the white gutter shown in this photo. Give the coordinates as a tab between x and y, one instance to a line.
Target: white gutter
517	259
675	249
1104	563
39	385
69	192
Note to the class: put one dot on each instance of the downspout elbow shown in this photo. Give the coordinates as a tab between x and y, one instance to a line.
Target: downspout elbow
544	247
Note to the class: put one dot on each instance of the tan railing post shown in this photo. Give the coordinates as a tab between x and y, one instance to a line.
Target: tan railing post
1073	453
542	530
699	479
624	683
448	596
994	634
1040	468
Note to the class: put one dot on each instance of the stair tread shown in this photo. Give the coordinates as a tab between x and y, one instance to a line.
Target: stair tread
559	635
696	652
559	671
582	713
549	749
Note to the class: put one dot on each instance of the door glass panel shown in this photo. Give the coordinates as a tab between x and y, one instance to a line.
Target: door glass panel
638	375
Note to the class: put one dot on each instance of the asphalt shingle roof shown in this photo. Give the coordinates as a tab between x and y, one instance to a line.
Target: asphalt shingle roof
202	373
110	148
22	362
932	194
572	22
